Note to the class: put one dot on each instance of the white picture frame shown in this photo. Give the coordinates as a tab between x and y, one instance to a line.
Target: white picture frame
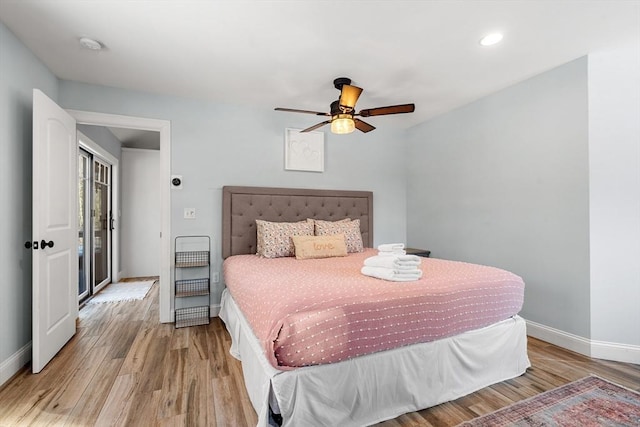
303	151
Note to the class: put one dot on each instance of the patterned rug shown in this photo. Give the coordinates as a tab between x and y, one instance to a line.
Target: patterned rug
590	401
123	291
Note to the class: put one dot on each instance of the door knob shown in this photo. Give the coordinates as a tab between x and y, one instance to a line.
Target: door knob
44	244
28	244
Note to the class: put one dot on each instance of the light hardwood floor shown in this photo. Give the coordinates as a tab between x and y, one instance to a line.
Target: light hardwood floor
123	368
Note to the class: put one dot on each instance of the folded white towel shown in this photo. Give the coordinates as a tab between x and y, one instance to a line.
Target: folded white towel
390	247
393	253
399	261
391	274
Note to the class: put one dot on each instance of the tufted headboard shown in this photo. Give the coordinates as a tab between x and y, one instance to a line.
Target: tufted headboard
241	206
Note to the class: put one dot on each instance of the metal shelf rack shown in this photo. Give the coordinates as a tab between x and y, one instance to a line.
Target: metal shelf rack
192	278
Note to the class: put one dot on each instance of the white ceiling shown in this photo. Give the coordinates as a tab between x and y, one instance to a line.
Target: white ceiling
136	138
286	53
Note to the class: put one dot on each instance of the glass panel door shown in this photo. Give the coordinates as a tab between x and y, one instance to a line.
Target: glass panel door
94	224
101	224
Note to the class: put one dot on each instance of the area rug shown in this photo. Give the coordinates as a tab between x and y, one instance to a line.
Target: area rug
591	401
123	291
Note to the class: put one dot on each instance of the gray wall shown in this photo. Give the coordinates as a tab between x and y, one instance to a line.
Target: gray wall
214	145
504	181
20	73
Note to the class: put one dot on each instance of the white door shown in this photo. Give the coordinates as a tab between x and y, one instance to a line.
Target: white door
55	258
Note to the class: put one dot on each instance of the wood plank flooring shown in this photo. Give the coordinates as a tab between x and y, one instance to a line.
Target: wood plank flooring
123	368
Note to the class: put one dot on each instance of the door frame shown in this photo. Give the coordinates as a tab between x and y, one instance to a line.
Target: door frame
85	207
164	127
93	148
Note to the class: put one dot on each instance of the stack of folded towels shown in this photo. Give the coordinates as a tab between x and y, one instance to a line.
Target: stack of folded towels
392	263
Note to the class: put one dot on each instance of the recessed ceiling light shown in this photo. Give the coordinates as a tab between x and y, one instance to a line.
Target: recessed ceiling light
89	43
491	39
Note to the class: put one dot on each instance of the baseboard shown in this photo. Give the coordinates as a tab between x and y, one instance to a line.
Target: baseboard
214	310
616	352
13	364
560	338
596	349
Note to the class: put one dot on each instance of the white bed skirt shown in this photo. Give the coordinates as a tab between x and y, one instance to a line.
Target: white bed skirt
379	386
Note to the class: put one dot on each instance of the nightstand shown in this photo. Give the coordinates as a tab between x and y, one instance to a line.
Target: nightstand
419	252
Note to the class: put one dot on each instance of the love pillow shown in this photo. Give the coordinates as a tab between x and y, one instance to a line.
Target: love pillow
312	247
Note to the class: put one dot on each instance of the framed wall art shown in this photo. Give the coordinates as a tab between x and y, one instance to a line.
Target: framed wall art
303	151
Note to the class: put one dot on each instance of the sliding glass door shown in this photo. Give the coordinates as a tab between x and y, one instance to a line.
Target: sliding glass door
84	229
94	224
101	224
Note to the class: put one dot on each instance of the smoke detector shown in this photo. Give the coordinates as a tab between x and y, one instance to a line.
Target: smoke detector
91	44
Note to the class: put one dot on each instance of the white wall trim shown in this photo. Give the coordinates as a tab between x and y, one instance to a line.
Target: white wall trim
164	127
590	348
616	352
137	149
14	363
214	310
563	339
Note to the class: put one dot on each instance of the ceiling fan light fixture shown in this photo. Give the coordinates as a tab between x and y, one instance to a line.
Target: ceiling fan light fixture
342	124
342	113
349	96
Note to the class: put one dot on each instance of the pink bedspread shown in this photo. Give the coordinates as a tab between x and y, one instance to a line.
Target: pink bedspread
310	312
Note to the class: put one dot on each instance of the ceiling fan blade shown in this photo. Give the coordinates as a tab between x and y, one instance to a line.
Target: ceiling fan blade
293	110
314	127
349	96
363	126
393	109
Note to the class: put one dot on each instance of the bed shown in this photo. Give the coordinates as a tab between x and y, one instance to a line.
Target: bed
366	387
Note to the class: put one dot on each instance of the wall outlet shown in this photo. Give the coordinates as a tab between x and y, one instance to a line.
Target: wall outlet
215	277
189	213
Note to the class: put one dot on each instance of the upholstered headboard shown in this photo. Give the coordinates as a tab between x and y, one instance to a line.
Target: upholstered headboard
241	206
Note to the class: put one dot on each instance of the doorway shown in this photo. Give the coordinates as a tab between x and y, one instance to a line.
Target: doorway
164	128
95	222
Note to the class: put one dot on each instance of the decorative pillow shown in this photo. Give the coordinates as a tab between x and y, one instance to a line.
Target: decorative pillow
274	238
340	220
350	229
310	247
313	221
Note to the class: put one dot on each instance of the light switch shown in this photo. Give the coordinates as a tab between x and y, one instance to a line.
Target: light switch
189	213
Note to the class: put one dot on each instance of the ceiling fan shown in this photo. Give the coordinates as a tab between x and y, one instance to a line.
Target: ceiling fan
343	114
